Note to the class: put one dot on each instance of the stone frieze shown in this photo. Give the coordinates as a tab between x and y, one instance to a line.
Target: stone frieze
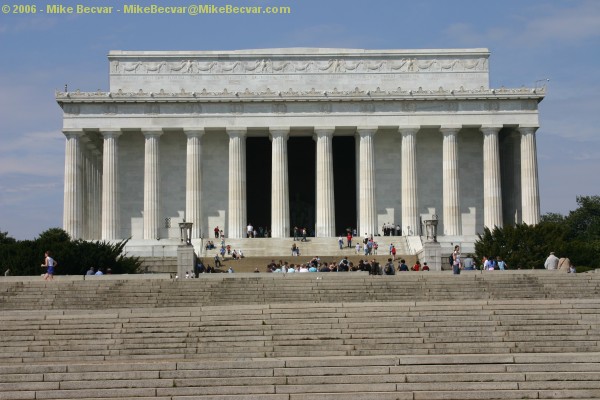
269	66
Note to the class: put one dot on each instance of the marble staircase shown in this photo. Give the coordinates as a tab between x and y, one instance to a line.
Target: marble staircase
510	335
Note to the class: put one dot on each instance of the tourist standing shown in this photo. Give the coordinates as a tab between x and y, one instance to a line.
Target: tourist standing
456	260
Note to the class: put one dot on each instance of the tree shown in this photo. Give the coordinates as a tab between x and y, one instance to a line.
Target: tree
5	239
576	236
522	245
74	256
584	222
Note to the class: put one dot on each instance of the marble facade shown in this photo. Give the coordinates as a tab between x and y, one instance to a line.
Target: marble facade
167	142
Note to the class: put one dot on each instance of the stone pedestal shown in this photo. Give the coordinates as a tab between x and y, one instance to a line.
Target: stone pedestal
186	260
432	255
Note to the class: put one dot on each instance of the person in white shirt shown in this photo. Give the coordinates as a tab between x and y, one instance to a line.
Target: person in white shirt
551	262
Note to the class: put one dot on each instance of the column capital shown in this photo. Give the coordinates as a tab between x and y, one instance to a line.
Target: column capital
193	132
408	130
490	129
110	133
324	130
364	131
148	133
279	131
450	130
234	131
526	130
72	133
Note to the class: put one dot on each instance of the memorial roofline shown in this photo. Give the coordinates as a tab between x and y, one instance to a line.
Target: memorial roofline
269	95
298	52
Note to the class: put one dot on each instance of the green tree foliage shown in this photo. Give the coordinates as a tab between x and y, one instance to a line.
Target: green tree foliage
576	236
5	239
524	246
74	257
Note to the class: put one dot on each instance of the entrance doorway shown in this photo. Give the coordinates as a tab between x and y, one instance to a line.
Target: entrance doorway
344	182
258	182
301	178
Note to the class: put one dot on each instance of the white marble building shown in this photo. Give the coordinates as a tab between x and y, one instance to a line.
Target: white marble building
425	134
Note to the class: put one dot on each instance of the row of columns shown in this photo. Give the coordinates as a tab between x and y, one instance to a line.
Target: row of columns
85	216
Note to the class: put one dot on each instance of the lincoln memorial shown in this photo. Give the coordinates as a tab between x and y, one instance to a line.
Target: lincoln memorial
322	139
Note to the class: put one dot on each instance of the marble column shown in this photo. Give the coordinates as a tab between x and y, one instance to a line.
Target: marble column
366	183
410	208
86	195
152	184
530	196
193	180
73	210
96	195
492	188
110	186
280	194
325	194
237	206
451	191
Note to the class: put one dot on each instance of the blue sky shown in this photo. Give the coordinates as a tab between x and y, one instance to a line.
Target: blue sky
528	40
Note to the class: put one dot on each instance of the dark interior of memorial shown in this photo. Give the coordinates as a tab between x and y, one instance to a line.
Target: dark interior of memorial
258	181
344	182
302	175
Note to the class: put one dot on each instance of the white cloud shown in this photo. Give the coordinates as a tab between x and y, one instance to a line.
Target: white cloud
567	23
555	22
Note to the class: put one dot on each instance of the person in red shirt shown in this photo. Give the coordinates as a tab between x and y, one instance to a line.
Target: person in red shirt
417	266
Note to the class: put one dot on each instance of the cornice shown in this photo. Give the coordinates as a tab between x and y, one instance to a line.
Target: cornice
291	95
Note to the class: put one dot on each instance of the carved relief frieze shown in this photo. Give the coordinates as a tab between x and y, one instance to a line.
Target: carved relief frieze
269	66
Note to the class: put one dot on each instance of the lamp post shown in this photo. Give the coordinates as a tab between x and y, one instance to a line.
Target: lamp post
186	258
431	228
185	232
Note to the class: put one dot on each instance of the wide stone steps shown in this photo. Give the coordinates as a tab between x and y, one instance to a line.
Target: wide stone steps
302	330
488	376
510	335
281	247
222	289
